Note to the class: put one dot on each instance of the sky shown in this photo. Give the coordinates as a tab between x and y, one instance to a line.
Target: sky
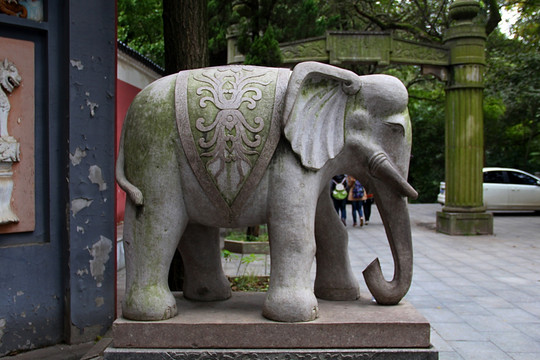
508	18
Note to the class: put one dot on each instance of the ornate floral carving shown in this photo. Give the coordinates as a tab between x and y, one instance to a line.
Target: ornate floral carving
228	121
274	354
233	137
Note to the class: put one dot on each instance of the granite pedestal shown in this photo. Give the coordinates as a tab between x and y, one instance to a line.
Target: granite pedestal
236	329
478	223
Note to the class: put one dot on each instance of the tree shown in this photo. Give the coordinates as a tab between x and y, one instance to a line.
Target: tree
140	26
185	31
527	26
419	20
512	104
512	121
265	50
262	24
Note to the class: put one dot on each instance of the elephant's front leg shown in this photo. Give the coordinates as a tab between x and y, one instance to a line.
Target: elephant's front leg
204	279
291	218
335	279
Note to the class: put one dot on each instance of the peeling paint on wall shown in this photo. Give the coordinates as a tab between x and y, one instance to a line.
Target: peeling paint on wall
77	157
100	301
81	272
96	177
2	327
92	106
79	204
100	255
77	64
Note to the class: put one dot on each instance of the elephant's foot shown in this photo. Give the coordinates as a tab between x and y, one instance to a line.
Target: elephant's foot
149	303
290	305
337	290
207	289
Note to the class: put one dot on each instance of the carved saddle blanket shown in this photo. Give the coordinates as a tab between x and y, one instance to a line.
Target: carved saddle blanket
229	120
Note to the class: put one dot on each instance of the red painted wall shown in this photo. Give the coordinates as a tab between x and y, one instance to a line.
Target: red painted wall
125	93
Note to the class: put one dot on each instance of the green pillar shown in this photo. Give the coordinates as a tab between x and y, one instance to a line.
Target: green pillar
464	213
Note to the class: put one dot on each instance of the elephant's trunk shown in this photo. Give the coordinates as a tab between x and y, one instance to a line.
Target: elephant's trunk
389	187
381	168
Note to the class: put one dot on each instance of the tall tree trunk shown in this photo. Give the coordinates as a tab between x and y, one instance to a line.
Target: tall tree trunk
185	31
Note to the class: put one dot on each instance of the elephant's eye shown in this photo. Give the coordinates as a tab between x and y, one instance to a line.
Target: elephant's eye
396	128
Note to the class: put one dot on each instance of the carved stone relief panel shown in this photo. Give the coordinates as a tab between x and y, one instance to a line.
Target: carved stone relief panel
17	103
308	50
362	47
26	9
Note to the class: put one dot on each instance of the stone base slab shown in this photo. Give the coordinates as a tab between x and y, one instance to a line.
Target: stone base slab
268	354
465	223
237	323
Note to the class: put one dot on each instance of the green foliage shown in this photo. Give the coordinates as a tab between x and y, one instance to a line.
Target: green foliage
512	96
241	236
220	18
265	50
293	21
527	26
140	26
262	25
229	256
427	113
246	281
249	283
512	102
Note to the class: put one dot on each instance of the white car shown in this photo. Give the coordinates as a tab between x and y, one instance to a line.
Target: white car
507	189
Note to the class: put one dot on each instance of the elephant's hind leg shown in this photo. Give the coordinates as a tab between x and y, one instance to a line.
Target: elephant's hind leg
151	236
204	279
334	278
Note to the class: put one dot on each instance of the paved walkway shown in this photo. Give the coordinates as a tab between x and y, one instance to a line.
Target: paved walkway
481	294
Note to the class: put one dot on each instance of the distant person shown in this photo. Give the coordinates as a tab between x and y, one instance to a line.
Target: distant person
339	192
368	201
356	194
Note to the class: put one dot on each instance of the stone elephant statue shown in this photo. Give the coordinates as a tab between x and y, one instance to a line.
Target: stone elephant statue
238	146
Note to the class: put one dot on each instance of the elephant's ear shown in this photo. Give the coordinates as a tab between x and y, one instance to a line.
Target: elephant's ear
315	110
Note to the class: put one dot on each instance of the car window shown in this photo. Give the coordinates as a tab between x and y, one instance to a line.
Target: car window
494	177
520	179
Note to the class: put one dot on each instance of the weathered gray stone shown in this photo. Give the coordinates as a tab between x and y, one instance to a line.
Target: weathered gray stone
474	223
237	146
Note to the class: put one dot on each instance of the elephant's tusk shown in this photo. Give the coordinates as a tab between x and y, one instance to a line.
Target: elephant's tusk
381	168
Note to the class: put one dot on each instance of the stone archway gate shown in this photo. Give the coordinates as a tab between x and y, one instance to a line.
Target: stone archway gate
460	62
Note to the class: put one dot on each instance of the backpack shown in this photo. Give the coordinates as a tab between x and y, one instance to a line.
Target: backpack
339	192
358	190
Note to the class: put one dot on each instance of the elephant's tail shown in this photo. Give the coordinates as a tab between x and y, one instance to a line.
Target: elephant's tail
132	191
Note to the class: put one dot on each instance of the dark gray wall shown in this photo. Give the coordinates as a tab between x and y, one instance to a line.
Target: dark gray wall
57	282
